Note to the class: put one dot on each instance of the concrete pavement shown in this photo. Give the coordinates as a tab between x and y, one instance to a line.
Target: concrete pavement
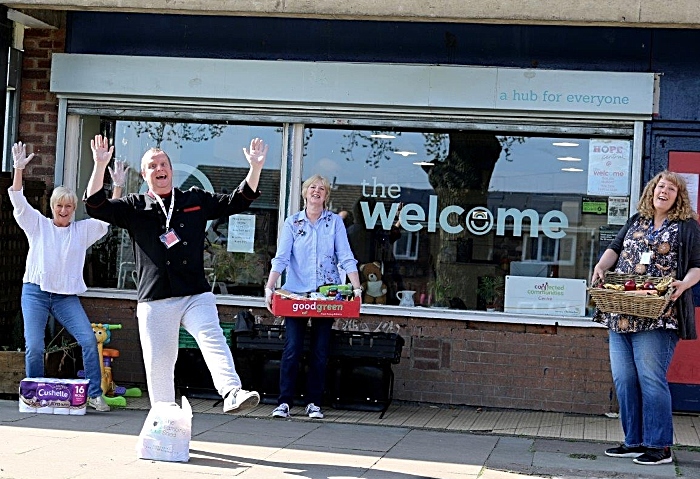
102	445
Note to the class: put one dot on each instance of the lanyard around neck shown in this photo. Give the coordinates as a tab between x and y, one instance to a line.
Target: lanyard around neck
169	213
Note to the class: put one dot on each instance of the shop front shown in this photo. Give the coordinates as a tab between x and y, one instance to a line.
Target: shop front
483	194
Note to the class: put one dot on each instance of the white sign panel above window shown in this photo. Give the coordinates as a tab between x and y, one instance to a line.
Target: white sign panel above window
584	92
430	89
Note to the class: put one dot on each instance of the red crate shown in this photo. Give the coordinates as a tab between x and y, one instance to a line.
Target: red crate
314	308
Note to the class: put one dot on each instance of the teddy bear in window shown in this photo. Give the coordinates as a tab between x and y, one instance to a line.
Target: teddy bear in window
373	286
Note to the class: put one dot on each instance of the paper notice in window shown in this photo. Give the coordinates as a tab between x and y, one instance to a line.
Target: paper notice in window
608	168
618	210
691	180
241	234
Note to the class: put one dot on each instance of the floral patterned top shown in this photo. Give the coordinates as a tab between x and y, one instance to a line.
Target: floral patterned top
663	245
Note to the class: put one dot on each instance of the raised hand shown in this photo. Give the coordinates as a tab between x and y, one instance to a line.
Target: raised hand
257	153
101	151
119	173
19	156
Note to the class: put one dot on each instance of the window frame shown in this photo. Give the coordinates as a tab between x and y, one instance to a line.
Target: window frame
291	165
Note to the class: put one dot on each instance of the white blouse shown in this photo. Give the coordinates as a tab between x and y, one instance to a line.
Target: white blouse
56	254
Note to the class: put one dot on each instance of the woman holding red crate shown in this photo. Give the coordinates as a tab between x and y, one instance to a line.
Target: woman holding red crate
662	239
312	245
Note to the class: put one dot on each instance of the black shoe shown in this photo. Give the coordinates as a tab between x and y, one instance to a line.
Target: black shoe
625	451
654	457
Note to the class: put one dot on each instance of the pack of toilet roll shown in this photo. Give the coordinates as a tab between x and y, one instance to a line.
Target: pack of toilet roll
53	396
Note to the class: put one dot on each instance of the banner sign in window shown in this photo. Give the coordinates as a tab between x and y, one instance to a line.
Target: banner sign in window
241	234
609	167
548	296
594	206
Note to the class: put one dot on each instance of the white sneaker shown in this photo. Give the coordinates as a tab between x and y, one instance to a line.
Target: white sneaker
281	411
98	404
314	411
240	399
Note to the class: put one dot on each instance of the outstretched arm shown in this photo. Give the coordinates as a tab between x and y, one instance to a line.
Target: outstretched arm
256	158
20	160
101	154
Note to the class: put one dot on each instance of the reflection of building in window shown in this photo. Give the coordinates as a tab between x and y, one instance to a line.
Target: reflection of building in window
550	250
406	247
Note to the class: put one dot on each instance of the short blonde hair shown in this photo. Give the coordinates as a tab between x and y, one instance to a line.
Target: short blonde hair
63	194
312	180
153	151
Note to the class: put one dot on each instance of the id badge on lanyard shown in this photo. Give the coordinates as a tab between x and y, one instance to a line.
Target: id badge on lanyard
170	237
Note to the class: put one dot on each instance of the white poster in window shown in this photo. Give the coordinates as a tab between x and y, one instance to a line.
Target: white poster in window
608	168
618	210
241	234
691	180
545	296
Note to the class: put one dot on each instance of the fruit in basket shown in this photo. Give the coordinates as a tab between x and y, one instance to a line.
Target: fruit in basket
648	285
664	284
630	285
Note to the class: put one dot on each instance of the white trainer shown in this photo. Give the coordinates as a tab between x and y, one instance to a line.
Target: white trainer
281	411
314	411
240	399
98	404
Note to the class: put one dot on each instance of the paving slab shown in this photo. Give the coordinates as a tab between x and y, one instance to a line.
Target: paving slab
260	447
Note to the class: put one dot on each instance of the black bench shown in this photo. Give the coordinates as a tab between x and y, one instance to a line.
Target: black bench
359	374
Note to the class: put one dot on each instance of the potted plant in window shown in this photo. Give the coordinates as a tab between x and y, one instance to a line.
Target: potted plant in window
490	290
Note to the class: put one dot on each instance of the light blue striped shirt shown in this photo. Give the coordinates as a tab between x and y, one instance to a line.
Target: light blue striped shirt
312	253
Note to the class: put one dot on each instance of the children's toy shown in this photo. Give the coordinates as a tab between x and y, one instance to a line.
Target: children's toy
373	286
114	395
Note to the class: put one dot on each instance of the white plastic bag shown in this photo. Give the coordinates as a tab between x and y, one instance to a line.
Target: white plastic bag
166	434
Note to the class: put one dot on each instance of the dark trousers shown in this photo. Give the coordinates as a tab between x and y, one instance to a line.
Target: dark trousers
318	358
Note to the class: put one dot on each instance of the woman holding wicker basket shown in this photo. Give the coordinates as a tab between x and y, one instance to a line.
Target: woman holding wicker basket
661	240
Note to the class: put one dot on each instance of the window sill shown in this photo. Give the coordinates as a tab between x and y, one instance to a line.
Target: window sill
400	311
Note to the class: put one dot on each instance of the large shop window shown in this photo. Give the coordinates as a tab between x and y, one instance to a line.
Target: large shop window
238	249
451	214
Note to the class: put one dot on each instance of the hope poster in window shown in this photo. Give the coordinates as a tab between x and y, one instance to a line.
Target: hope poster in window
609	167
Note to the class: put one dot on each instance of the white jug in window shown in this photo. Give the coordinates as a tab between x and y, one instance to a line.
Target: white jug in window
405	298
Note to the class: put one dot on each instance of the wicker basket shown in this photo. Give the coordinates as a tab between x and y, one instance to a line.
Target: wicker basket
627	302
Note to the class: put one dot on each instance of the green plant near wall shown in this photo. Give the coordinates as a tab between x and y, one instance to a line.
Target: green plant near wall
491	290
442	290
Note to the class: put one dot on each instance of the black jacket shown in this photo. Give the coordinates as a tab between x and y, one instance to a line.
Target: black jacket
688	257
179	270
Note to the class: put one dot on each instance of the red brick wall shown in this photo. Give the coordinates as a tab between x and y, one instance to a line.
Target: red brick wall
547	368
38	120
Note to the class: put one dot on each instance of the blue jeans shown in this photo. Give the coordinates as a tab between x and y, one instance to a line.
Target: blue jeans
66	308
639	362
318	358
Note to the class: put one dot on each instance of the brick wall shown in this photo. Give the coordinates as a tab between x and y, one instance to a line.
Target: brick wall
38	120
547	368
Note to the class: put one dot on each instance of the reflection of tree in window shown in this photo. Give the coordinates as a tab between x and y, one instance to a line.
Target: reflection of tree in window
378	148
461	178
176	133
459	165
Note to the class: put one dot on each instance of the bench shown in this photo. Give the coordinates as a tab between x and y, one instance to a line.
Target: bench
359	375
